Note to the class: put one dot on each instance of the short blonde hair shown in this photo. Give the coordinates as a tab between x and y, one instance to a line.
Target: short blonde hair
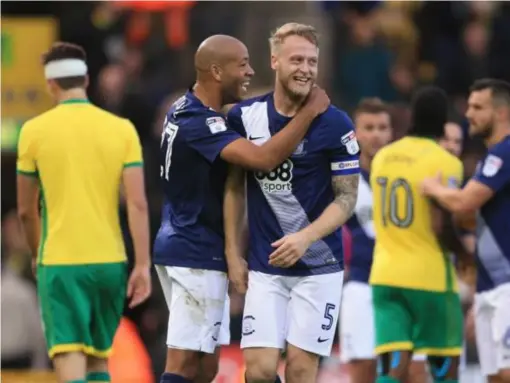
293	29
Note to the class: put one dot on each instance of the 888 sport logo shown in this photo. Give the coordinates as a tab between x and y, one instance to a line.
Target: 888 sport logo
277	180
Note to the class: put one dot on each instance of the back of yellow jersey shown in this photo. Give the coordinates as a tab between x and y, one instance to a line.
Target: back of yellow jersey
78	152
407	253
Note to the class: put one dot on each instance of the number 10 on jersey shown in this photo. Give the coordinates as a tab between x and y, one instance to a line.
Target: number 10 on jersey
168	137
390	202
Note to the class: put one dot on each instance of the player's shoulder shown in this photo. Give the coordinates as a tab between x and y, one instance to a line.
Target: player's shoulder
188	111
257	103
335	116
501	149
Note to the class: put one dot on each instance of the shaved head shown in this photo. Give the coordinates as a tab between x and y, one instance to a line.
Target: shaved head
218	50
223	61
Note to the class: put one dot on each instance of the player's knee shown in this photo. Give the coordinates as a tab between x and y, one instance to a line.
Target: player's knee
184	363
301	365
261	364
444	368
394	364
208	368
97	364
418	372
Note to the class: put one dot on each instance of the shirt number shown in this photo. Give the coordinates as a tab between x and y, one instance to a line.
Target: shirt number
390	202
168	136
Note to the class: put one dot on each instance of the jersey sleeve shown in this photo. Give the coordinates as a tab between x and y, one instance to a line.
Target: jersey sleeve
26	161
209	135
134	155
494	170
341	143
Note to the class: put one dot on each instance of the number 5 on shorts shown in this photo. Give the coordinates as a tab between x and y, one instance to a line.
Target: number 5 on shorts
328	316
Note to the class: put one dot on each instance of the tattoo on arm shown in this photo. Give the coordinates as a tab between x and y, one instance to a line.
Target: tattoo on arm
346	192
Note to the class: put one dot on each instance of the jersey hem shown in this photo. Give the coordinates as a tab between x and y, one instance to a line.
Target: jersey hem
33	174
298	272
67	263
192	264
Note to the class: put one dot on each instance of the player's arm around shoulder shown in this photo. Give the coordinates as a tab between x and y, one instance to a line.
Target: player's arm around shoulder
236	228
27	180
277	149
139	284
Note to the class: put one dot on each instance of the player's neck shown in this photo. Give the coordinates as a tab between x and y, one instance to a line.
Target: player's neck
284	104
497	136
72	94
209	98
365	162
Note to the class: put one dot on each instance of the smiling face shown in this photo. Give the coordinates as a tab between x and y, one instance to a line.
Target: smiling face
236	75
295	58
295	65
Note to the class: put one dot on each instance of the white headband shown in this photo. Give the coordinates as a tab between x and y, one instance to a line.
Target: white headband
65	68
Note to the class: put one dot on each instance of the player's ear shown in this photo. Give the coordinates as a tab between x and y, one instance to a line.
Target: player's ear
216	72
274	62
87	82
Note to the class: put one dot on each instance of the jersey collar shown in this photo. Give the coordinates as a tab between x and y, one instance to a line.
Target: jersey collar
76	101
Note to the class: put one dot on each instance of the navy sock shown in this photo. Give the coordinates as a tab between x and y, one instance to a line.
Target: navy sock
172	378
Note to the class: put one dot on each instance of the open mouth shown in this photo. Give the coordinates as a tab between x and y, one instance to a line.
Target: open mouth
301	80
245	85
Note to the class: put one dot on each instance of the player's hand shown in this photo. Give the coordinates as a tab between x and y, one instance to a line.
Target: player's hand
317	101
238	274
289	250
139	285
430	185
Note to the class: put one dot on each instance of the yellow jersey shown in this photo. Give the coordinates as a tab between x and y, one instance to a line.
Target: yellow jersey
78	151
407	253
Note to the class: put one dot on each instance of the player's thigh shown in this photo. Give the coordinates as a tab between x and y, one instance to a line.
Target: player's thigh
357	322
65	307
392	319
437	322
501	325
485	340
265	311
107	302
224	335
196	303
313	312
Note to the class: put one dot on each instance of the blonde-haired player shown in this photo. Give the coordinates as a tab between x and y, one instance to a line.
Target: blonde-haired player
75	157
294	213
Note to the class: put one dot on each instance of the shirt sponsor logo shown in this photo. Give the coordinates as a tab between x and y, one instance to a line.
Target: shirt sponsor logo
277	180
344	165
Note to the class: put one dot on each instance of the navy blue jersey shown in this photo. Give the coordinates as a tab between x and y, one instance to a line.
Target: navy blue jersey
295	193
193	178
361	226
493	226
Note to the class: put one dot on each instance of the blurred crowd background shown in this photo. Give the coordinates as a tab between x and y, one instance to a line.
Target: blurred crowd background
140	58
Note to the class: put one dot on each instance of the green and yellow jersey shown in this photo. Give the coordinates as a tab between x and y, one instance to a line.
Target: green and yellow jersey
78	152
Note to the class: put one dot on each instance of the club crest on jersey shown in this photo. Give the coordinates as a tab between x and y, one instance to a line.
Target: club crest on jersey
216	124
300	150
492	165
350	142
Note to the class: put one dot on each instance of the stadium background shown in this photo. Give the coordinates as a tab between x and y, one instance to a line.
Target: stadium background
140	59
